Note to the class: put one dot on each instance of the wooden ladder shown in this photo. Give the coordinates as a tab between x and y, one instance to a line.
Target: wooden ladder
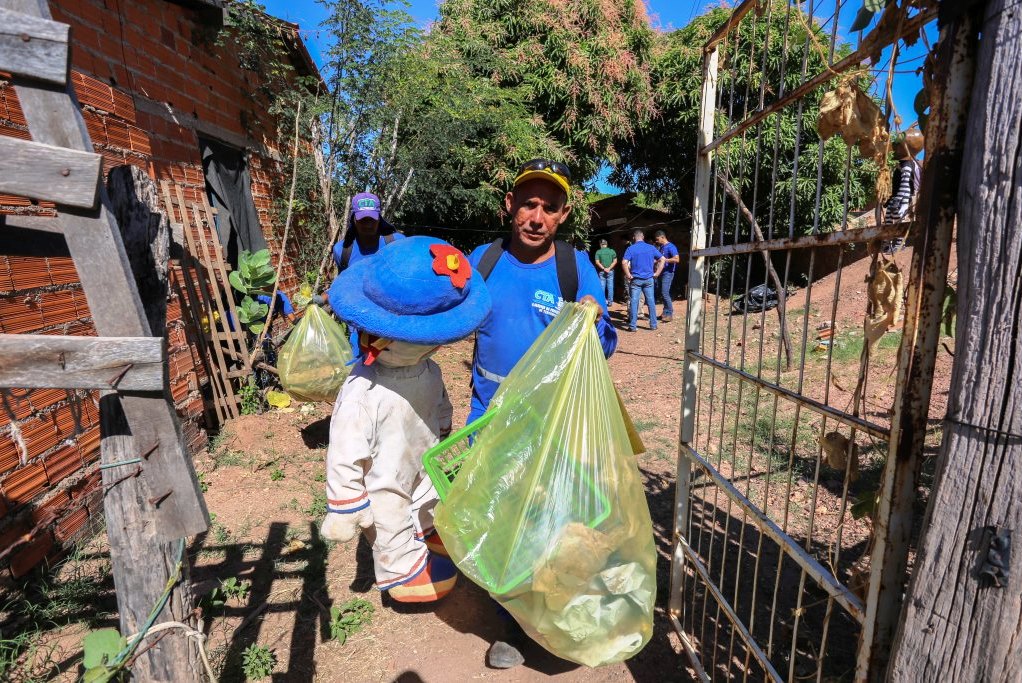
152	498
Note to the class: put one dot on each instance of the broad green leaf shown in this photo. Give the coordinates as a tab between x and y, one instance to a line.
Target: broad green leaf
256	328
862	19
97	674
235	280
101	646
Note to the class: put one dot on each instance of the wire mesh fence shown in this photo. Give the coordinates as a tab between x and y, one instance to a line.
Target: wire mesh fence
794	337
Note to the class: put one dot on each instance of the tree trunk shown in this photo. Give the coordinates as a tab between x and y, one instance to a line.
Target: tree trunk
962	619
142	563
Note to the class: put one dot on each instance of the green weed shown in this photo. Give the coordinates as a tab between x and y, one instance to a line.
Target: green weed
277	474
642	426
317	508
216	442
232	458
349	618
251	399
74	592
258	662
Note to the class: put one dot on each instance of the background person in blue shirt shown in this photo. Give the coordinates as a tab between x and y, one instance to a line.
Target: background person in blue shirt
526	297
641	263
367	233
370	234
523	283
671	261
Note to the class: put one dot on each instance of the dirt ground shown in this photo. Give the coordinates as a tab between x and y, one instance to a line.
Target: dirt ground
260	517
265	488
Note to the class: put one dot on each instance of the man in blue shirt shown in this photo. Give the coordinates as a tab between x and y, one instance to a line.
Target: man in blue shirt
523	282
526	293
671	260
642	264
367	232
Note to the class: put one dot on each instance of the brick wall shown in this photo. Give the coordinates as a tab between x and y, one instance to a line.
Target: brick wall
150	79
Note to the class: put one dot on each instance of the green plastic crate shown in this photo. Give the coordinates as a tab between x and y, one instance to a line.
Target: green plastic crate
443	461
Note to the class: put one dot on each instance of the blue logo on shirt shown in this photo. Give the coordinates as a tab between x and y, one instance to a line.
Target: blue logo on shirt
546	302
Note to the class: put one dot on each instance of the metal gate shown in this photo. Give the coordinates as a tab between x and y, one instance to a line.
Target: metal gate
796	476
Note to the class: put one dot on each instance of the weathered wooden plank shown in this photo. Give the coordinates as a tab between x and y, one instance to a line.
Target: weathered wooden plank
960	623
150	513
145	234
51	224
221	267
43	361
215	294
146	238
33	47
54	174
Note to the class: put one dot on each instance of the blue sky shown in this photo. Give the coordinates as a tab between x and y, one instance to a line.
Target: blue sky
665	14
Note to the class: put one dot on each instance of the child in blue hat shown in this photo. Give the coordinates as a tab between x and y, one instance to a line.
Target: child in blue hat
407	301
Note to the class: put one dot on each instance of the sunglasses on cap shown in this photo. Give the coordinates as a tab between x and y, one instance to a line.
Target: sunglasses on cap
544	169
546	165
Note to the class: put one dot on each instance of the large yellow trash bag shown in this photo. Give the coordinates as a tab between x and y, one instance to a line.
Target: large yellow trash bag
548	511
314	361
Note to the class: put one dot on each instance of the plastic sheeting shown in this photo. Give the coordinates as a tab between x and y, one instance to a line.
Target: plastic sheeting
548	511
314	361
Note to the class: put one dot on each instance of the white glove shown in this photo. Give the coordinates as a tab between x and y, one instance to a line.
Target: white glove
344	527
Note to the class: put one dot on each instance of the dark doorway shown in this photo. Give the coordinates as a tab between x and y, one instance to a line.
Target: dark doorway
229	187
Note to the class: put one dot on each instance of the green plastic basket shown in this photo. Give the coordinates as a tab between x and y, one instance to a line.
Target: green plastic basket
442	463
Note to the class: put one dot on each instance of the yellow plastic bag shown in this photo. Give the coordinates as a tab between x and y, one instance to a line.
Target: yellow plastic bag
313	363
548	511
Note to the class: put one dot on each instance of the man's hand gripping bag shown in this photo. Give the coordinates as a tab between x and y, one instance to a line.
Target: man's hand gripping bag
313	363
548	511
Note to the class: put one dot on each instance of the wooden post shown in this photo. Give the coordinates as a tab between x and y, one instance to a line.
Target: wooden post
962	619
153	501
141	560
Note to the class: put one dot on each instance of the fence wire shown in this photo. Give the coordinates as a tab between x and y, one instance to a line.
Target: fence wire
787	410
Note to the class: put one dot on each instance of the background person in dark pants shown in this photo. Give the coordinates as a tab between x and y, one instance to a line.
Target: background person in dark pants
671	260
642	263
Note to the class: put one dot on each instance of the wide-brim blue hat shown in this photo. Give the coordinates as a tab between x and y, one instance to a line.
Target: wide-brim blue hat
409	291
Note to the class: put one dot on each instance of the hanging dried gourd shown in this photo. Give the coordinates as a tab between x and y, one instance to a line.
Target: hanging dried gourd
854	115
885	290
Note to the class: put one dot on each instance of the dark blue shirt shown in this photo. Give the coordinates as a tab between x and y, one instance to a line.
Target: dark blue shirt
356	249
669	251
526	298
641	257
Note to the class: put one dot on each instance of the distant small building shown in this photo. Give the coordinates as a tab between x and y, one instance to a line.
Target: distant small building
614	219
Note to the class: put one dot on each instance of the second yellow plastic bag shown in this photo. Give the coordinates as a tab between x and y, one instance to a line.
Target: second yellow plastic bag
548	511
313	363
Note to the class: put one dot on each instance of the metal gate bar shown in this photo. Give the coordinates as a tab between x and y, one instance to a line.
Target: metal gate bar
715	543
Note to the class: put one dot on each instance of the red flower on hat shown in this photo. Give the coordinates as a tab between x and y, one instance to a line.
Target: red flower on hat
448	261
